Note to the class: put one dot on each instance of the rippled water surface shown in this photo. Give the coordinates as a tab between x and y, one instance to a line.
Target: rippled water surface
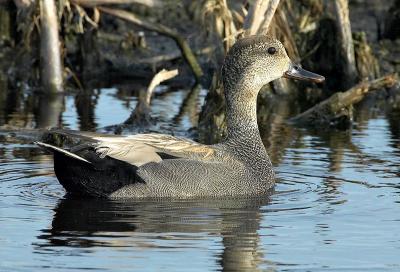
335	207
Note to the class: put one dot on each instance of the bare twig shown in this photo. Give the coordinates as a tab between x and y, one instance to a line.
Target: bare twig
269	14
164	30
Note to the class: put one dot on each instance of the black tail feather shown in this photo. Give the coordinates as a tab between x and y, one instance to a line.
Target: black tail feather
84	173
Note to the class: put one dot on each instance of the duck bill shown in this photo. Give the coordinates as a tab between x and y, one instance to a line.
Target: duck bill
296	72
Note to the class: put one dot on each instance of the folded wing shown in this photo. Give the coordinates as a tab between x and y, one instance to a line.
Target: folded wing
144	148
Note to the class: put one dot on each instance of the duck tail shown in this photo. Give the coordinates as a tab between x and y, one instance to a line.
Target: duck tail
60	150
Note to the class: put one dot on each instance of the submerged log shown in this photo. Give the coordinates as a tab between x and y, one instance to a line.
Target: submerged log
337	111
50	56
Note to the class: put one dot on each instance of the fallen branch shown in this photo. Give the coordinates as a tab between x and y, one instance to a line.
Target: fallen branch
338	108
164	30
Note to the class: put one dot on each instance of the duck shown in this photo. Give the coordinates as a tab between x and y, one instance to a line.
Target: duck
166	166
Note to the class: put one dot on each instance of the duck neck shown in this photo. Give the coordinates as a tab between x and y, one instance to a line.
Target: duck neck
241	102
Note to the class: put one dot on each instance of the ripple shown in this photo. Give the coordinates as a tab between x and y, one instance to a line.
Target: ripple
31	181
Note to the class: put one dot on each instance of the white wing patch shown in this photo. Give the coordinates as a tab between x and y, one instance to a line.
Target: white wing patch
143	148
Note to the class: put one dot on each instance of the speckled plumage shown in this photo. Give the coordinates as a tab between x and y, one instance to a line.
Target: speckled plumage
175	167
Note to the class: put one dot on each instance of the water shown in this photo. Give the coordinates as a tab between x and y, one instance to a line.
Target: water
335	207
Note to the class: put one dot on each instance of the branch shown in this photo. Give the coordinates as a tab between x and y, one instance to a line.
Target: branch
164	30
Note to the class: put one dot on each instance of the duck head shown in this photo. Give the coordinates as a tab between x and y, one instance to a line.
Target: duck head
257	60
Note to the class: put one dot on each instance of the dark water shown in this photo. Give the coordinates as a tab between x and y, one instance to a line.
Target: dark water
335	208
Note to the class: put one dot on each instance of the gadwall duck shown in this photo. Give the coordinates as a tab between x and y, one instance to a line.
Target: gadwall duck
158	165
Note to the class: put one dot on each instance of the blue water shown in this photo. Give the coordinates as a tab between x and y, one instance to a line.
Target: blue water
335	207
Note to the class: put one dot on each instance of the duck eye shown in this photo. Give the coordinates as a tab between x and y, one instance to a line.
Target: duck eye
271	50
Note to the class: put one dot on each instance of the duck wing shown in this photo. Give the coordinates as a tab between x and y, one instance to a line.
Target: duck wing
144	148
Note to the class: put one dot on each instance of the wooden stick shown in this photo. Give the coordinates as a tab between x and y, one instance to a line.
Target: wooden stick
50	56
164	30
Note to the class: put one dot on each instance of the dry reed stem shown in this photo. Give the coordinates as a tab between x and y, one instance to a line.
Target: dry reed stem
259	17
255	17
269	14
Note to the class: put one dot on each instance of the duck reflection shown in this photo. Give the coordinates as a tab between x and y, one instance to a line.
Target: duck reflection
87	223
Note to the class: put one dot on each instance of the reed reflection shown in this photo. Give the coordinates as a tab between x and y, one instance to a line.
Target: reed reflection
49	110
